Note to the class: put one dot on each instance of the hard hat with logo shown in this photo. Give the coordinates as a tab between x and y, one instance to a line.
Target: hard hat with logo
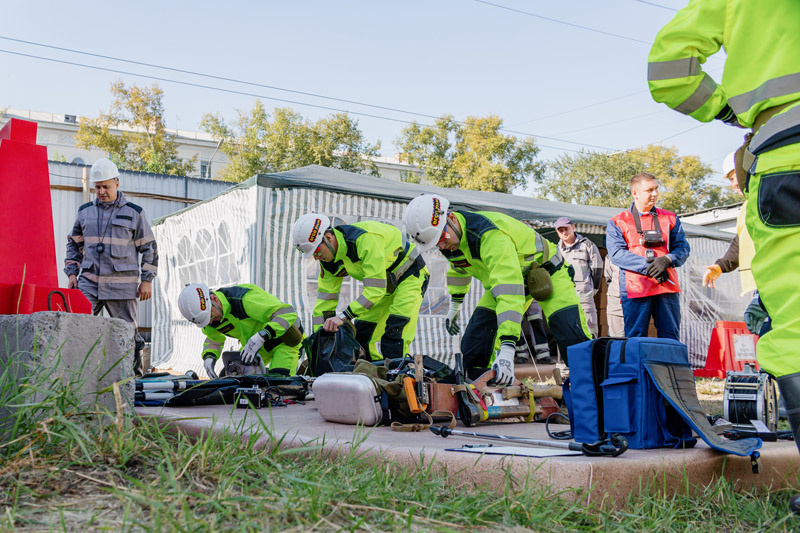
424	220
308	232
102	170
194	303
728	165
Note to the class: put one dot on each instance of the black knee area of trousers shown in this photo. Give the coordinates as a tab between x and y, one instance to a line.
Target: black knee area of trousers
278	371
565	325
477	343
790	392
364	331
392	339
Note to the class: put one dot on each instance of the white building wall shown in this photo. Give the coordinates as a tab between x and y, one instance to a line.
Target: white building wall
721	218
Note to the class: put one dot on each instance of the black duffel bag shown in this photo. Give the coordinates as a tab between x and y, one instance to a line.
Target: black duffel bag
333	352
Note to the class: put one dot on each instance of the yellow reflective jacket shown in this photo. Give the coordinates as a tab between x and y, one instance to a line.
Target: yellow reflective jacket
246	310
747	251
371	252
762	69
495	249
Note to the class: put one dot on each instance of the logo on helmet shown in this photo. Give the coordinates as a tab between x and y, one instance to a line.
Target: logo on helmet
315	230
202	299
437	211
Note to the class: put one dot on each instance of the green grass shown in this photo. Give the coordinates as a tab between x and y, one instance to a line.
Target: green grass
70	469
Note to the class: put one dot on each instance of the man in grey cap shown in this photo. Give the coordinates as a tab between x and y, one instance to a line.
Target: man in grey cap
585	259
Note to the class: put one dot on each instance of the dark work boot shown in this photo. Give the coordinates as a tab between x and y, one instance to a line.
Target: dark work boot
790	393
137	357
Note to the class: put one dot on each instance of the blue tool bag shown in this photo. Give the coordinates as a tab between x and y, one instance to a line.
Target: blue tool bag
643	389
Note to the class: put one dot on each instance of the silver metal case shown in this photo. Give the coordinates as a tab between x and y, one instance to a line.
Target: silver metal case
347	399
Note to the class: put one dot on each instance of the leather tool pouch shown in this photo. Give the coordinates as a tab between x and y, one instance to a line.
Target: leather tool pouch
742	161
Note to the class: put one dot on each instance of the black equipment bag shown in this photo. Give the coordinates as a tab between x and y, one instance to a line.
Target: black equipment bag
333	352
222	391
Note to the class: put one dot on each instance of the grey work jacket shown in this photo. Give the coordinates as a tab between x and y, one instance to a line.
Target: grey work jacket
123	229
585	258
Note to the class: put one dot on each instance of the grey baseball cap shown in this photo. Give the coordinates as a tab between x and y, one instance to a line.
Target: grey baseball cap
563	222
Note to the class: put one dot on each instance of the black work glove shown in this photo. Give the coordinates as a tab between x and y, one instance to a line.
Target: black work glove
658	268
727	116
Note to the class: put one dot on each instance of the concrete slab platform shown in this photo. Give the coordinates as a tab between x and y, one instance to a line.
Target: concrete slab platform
599	477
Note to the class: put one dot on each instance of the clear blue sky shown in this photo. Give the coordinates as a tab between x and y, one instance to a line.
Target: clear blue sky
553	80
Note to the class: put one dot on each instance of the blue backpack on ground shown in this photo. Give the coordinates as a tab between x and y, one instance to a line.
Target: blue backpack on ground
643	389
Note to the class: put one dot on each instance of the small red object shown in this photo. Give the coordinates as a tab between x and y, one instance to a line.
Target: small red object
732	345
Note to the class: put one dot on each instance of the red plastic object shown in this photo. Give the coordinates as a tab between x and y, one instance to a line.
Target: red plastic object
28	270
732	345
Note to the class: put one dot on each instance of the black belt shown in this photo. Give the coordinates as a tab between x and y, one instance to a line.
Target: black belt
550	267
400	257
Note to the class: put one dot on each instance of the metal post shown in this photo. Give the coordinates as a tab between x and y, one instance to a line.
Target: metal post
85	183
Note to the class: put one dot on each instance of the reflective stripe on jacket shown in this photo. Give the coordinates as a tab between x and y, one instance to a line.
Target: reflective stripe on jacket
124	232
246	310
371	252
762	68
627	251
495	249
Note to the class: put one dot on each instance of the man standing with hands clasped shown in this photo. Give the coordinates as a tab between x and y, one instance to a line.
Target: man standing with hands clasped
647	244
103	252
585	259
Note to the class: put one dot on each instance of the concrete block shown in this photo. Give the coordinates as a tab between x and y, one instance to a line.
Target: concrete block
90	352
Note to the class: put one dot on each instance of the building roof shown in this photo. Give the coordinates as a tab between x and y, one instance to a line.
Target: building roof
539	213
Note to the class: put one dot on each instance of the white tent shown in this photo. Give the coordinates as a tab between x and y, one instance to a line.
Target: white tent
242	235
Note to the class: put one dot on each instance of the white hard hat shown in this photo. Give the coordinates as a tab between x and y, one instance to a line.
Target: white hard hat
424	220
308	232
728	165
102	170
195	304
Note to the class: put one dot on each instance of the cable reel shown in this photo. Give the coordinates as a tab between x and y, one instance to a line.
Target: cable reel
750	395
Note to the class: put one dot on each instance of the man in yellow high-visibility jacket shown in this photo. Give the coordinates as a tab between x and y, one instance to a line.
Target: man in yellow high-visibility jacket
760	89
501	253
385	315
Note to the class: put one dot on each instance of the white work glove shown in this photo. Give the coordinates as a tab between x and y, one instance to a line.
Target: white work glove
451	322
209	363
253	346
504	365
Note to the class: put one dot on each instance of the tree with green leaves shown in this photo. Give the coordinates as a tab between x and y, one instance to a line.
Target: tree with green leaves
133	133
473	154
595	178
258	142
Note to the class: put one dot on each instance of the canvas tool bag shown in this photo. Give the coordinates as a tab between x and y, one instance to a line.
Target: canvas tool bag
643	389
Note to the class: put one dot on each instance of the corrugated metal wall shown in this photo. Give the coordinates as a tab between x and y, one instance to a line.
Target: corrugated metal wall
158	194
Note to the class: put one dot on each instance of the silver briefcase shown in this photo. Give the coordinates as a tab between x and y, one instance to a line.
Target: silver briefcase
348	399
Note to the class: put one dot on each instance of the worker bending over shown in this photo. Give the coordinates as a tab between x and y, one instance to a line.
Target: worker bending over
515	265
264	325
391	269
